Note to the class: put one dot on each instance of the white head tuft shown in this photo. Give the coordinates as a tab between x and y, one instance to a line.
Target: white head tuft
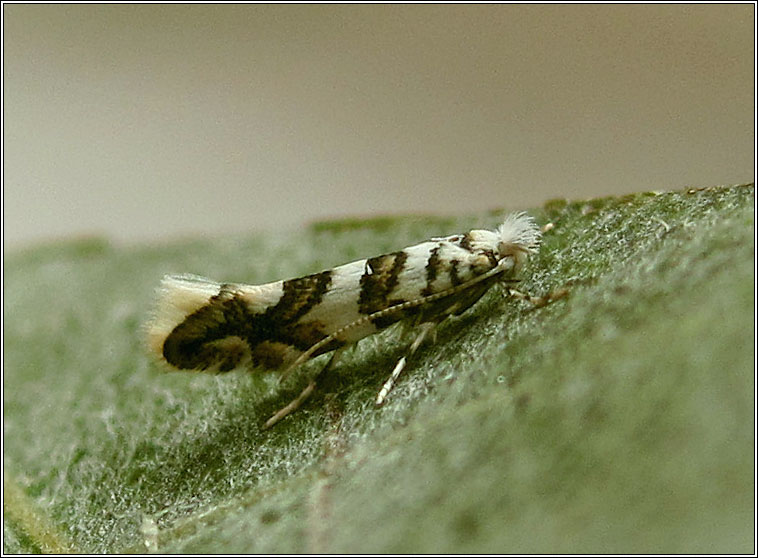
518	232
519	236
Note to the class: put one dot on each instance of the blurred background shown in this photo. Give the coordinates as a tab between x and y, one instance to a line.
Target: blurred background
146	123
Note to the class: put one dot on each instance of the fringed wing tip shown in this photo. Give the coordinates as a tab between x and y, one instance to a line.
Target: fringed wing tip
177	297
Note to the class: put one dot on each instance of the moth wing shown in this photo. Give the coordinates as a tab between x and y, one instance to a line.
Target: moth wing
180	296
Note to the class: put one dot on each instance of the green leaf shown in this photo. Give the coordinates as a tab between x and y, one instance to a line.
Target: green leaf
616	420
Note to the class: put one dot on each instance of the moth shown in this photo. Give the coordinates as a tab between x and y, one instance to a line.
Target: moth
204	325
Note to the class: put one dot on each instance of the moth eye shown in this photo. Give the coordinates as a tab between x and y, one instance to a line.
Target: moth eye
510	262
519	257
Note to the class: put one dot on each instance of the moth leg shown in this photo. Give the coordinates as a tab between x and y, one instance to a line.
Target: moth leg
305	394
539	301
426	329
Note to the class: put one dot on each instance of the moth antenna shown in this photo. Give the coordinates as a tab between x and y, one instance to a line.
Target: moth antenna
499	268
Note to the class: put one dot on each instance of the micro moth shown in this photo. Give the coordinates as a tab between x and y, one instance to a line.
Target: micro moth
204	325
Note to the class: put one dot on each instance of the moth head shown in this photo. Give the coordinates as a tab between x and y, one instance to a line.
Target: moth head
518	237
511	243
